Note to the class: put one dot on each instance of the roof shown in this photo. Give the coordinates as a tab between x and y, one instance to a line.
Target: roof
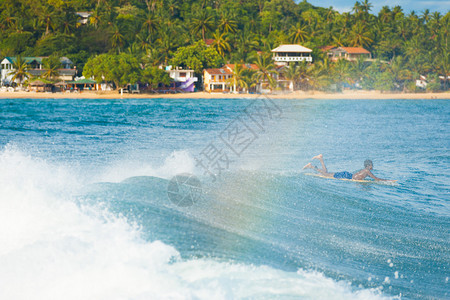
355	50
27	59
326	48
221	71
65	60
82	81
291	48
244	66
209	41
84	14
38	59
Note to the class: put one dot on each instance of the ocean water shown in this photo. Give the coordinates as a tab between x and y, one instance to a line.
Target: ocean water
85	211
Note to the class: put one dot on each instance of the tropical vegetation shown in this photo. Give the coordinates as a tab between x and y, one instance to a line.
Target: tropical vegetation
144	34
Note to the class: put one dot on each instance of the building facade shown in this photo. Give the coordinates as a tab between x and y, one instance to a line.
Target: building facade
286	54
349	53
217	80
183	78
35	68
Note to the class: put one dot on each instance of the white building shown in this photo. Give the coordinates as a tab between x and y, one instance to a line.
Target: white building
285	54
35	68
183	78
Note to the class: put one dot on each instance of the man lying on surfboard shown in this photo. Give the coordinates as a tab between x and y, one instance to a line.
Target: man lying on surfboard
360	175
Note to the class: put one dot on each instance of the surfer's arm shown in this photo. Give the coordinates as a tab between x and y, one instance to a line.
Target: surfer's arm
376	178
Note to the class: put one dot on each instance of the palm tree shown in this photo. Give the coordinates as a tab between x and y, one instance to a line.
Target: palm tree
298	33
47	18
443	65
319	74
292	73
341	72
266	71
399	73
151	23
426	16
227	23
7	18
245	44
68	20
357	9
358	70
51	66
172	6
165	45
360	36
20	70
202	23
143	41
117	39
221	43
238	79
95	18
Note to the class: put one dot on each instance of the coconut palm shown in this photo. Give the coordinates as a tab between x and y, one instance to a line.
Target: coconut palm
292	73
227	23
47	18
299	33
117	39
266	70
20	70
360	35
151	23
221	43
238	80
51	66
341	72
202	23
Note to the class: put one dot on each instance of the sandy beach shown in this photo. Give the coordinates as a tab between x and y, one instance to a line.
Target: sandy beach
205	95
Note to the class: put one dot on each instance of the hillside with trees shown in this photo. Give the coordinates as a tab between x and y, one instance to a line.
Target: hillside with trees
150	33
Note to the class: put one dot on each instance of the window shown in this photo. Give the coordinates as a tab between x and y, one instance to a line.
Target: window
182	74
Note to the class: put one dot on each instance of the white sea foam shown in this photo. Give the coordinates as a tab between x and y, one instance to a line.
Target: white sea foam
177	162
52	248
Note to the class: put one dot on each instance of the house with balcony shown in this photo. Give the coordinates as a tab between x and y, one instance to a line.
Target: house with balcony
217	80
286	54
83	17
348	53
183	78
35	68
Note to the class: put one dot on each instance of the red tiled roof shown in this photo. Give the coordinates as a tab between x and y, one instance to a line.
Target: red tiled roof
209	42
221	71
355	50
326	48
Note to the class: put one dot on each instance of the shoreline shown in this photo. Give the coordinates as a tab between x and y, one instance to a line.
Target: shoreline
352	95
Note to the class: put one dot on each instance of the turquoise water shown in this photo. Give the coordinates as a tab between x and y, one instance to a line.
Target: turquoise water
85	214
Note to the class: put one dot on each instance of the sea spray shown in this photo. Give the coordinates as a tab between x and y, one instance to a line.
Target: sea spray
53	247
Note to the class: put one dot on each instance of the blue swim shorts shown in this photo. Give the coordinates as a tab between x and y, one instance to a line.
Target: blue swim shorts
343	175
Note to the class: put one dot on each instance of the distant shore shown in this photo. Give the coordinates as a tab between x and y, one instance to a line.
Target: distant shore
205	95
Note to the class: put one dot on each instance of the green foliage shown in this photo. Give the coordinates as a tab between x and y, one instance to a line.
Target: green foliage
17	42
55	43
197	57
154	76
384	82
159	32
434	83
120	68
20	70
51	66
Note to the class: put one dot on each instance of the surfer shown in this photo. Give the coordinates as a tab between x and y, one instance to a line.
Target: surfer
360	175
